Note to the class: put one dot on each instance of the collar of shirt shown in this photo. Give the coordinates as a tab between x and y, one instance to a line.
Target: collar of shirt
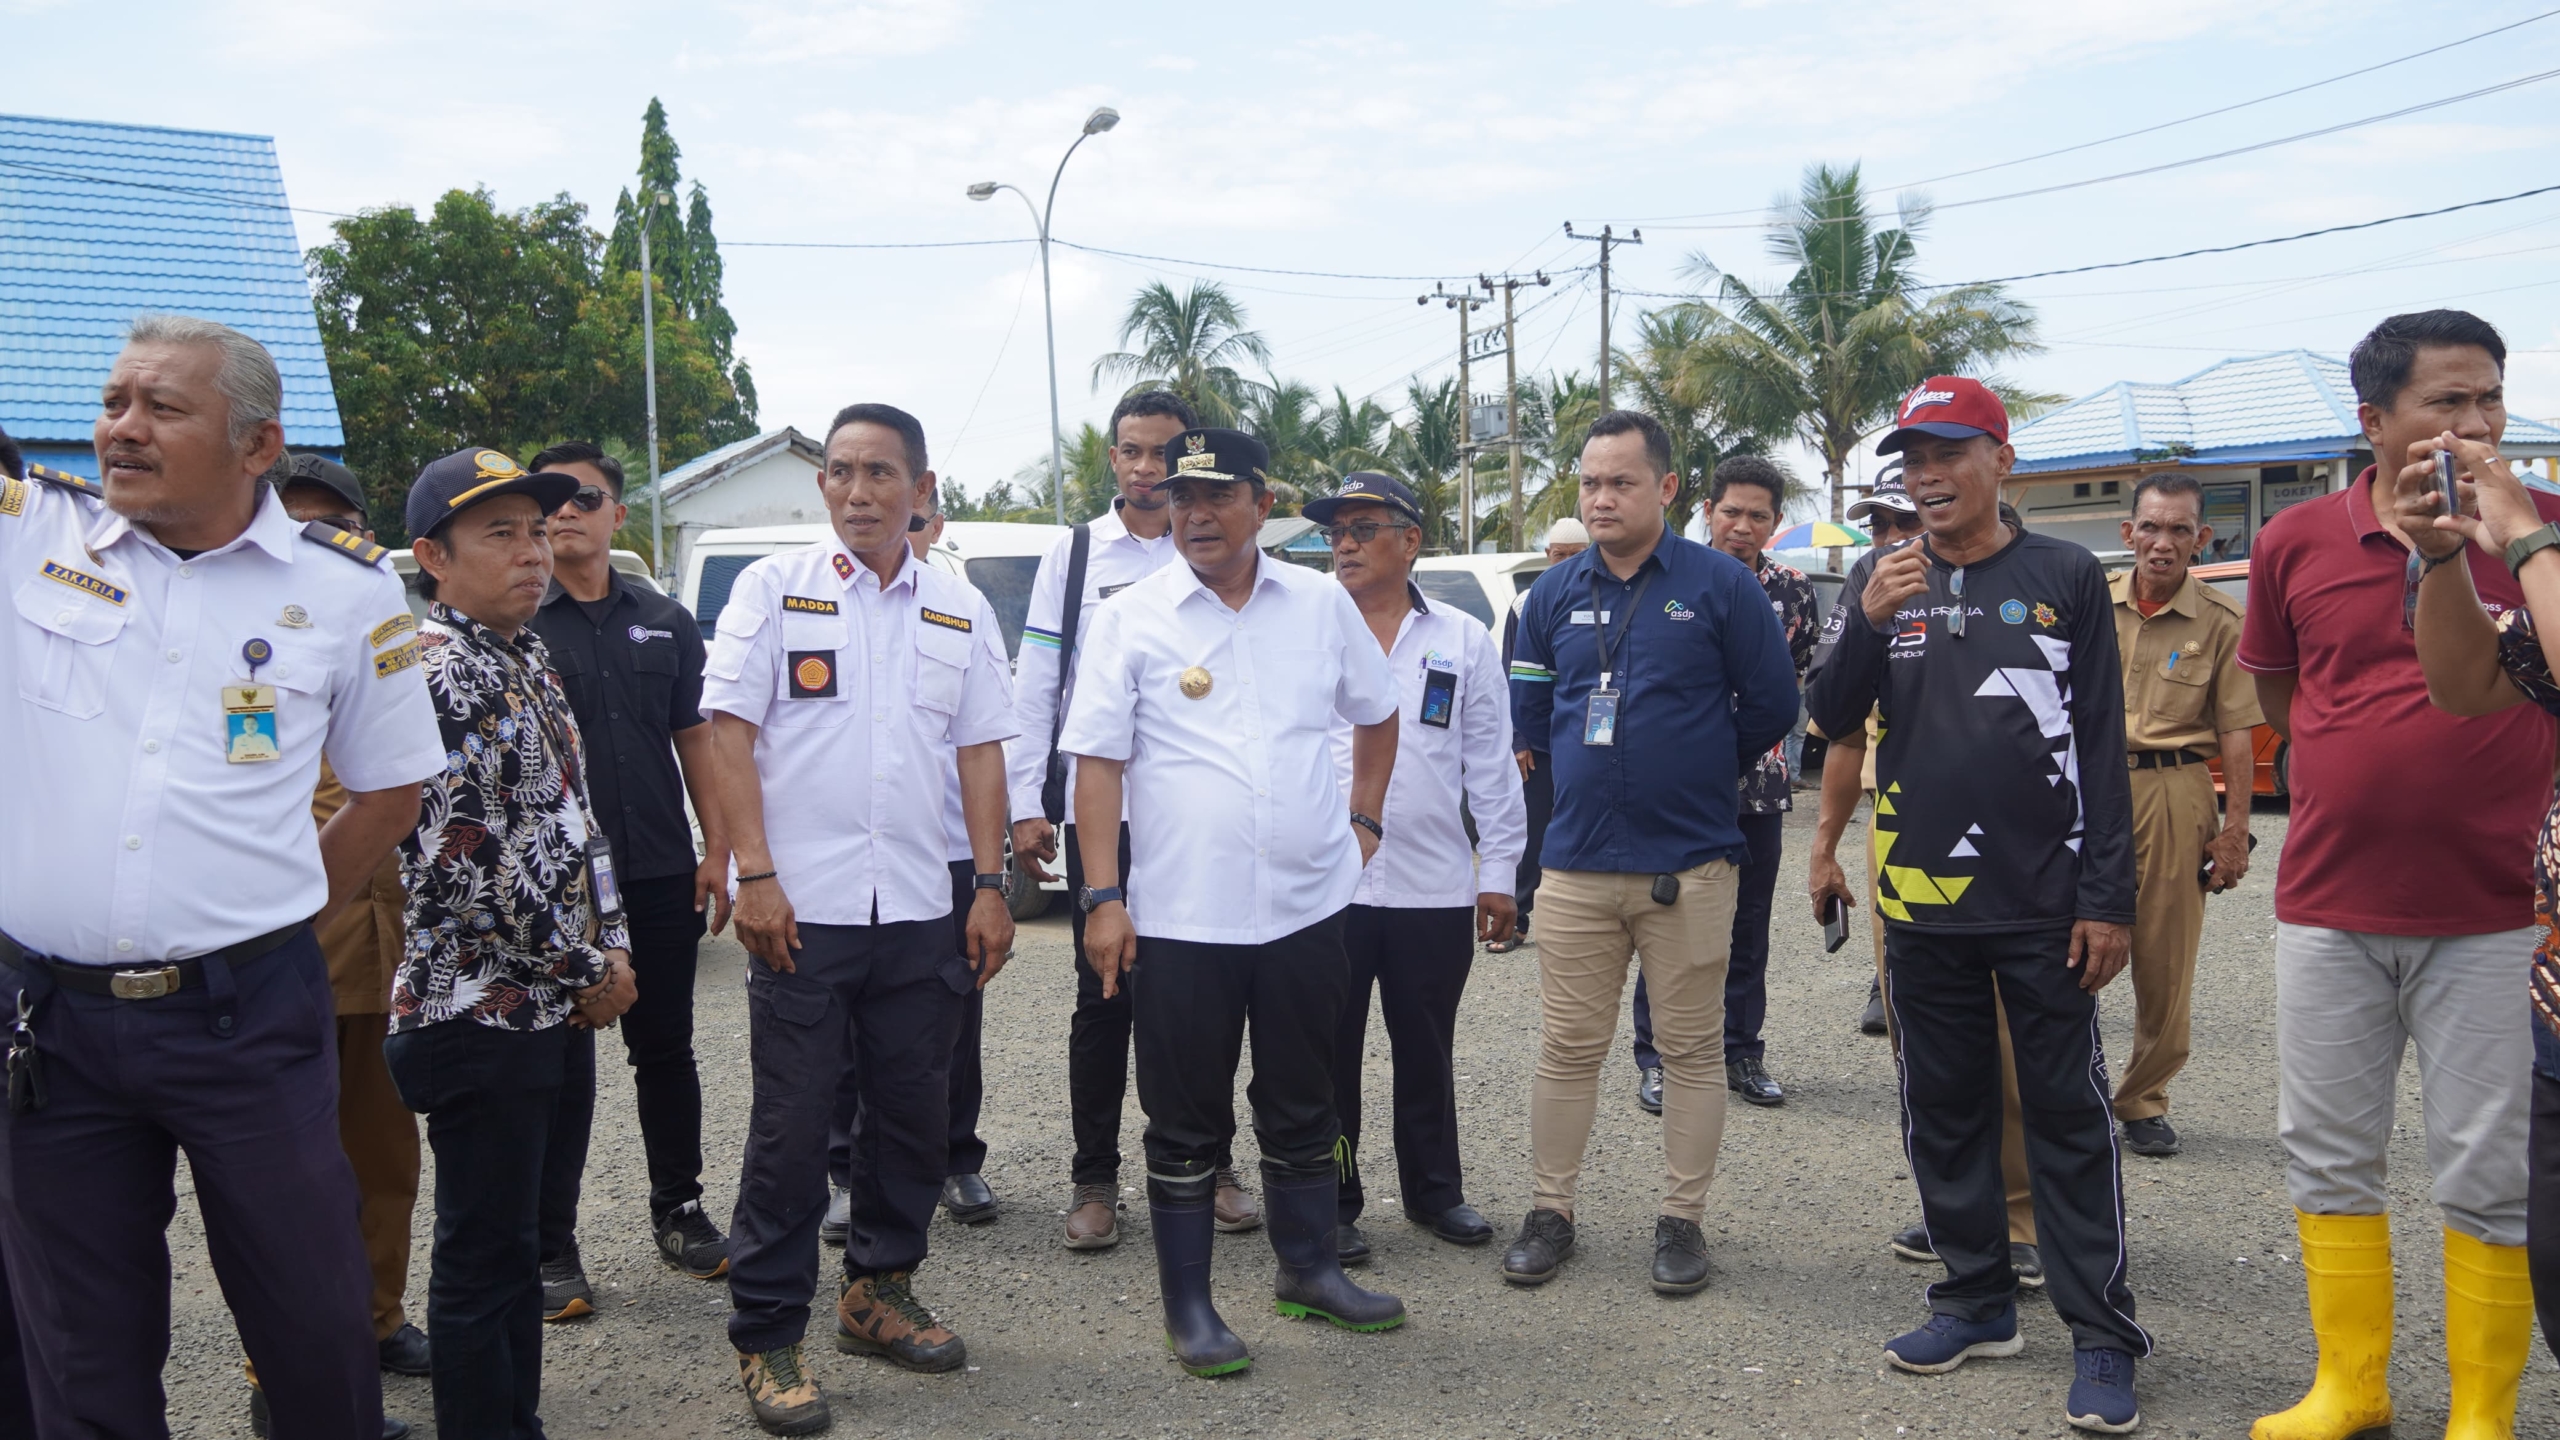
270	529
848	567
525	648
1195	590
615	591
2183	601
1111	528
2360	513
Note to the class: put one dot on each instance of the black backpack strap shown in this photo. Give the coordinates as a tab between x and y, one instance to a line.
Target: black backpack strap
1053	790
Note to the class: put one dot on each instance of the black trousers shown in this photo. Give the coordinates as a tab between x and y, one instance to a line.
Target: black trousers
1746	976
1195	1003
657	1038
968	1074
17	1402
1940	989
2542	1203
888	999
1538	787
1418	960
1097	1044
242	1074
488	1095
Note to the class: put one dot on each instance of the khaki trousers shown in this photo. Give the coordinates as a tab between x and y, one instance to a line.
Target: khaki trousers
380	1136
1588	924
2013	1125
2173	817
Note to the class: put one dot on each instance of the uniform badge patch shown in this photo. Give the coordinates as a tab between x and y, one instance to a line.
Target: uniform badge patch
813	674
804	605
403	623
2046	618
391	662
13	496
844	567
947	622
62	574
2014	611
294	618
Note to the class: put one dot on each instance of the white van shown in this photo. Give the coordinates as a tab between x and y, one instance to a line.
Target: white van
1482	585
997	557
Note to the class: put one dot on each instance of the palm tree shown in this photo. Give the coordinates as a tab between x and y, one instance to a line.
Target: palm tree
1191	344
1284	416
1425	450
1829	353
1668	381
1352	435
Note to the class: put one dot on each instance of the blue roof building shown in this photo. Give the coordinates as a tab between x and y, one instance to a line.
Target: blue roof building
100	223
2264	431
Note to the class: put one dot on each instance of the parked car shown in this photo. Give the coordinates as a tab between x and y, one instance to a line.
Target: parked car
635	570
1482	585
2274	753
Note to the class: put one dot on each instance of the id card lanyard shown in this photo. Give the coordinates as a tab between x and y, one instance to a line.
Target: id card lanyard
1600	722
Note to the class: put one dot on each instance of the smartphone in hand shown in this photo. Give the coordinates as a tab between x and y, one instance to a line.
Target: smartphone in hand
2444	483
1835	923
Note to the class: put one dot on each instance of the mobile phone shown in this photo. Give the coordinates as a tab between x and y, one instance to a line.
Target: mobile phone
2204	872
1835	923
2444	487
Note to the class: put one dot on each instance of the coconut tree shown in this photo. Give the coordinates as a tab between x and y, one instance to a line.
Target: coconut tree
1424	451
1192	344
1666	379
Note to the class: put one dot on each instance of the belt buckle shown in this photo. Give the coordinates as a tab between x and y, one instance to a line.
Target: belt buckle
143	984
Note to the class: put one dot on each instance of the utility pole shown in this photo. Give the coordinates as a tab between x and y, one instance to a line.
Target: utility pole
1465	305
1510	286
1604	240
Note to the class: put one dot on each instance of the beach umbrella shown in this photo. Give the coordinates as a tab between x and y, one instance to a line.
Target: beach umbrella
1819	535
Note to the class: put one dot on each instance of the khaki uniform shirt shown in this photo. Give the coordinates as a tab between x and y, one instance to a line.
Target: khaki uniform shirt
2183	686
362	944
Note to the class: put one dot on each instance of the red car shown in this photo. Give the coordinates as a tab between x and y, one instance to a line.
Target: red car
2231	577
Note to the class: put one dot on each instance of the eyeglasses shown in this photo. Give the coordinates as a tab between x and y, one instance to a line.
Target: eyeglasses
1955	588
1361	531
1886	518
589	498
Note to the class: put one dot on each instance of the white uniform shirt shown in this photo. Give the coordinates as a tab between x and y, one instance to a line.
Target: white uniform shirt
1116	561
859	691
955	824
1238	834
1457	750
132	838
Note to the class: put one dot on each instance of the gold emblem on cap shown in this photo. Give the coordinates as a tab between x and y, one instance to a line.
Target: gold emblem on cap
1195	443
491	465
1195	682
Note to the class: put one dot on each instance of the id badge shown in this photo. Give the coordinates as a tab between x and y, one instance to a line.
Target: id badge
608	887
1439	698
1600	724
249	724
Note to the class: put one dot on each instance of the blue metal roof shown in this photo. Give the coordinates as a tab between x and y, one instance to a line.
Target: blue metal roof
100	223
2275	409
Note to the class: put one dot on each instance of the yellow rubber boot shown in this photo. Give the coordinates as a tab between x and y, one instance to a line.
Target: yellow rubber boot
2346	1265
2488	1327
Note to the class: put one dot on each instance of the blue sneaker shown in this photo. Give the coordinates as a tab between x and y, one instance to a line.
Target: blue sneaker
2102	1393
1948	1341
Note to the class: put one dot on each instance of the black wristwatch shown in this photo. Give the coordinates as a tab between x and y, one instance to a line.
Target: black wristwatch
987	882
1091	898
2524	547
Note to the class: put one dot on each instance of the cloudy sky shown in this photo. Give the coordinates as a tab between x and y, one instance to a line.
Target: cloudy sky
1385	145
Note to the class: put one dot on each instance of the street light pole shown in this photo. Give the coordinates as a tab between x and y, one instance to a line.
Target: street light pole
650	200
1100	120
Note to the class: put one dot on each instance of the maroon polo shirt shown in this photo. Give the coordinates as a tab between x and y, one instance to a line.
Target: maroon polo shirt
2406	820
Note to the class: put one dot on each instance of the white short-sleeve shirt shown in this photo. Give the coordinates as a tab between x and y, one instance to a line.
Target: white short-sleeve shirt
1238	834
1114	560
143	825
860	692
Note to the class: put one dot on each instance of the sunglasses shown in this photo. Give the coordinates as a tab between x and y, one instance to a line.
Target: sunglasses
1361	531
1884	518
590	498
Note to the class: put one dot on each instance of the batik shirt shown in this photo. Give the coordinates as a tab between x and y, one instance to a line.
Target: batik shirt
500	914
2520	653
1765	790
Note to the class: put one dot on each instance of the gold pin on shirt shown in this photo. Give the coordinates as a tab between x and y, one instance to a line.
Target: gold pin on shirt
1195	682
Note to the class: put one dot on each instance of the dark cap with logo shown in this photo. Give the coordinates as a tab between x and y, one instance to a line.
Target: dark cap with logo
1216	455
328	474
1950	407
1365	487
465	478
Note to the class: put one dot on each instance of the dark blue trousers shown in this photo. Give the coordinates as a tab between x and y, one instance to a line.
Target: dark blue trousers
889	999
87	1188
1418	960
968	1075
488	1095
1746	977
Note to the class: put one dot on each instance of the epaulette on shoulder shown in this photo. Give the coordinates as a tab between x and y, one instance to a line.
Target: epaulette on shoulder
2214	595
354	547
81	484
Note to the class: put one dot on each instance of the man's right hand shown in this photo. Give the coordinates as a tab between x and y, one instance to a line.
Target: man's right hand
1827	879
1035	840
1110	944
766	923
1896	578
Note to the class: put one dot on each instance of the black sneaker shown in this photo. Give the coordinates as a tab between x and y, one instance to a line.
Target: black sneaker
2155	1136
688	1241
1546	1238
1913	1244
1748	1078
1649	1089
1679	1257
2028	1263
1871	1019
565	1293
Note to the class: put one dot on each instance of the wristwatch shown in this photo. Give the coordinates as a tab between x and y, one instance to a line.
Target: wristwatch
2525	547
987	882
1090	898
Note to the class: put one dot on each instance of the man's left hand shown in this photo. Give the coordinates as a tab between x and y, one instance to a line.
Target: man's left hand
2229	852
990	935
1497	915
2104	946
711	888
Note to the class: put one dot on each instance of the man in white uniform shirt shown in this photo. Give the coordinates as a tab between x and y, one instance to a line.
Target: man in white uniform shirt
160	987
1205	698
843	676
1429	893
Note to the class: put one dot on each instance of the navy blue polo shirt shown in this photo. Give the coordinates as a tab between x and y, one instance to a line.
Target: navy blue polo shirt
1705	686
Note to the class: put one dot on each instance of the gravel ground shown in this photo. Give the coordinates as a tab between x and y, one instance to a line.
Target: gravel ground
1784	1343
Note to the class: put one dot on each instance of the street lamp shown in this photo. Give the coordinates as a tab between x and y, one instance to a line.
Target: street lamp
650	200
1103	118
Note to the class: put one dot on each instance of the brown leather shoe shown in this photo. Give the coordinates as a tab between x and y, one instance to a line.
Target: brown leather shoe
784	1399
879	1315
1235	1208
1093	1221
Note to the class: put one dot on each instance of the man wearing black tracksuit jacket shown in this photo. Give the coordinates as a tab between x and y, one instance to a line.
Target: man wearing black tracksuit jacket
2005	848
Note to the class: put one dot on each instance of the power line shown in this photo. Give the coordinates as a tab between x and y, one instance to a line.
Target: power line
872	244
1264	269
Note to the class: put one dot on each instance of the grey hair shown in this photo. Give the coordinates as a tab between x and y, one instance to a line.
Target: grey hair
247	379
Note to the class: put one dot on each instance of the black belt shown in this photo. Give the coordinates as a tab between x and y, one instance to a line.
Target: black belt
147	982
2162	759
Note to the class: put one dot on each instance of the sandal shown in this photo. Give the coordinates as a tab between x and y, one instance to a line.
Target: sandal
1505	947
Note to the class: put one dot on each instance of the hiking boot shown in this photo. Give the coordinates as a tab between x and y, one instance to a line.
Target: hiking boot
688	1241
1679	1256
1233	1204
565	1292
1948	1341
879	1315
782	1396
1546	1238
1093	1220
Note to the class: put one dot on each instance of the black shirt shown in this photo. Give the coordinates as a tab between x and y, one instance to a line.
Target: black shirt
632	664
2001	798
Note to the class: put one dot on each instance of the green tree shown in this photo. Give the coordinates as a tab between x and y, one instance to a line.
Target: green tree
1667	380
685	256
473	325
1285	416
1424	452
1191	344
1828	354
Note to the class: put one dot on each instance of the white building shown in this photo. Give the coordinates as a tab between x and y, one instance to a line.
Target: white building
769	480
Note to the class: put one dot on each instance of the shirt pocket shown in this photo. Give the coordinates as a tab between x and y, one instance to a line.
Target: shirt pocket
2178	696
942	672
69	639
653	677
811	691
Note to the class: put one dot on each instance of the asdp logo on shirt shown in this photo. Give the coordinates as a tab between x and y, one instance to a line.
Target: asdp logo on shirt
1678	611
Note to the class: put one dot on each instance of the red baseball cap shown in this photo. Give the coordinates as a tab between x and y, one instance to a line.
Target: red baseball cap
1950	407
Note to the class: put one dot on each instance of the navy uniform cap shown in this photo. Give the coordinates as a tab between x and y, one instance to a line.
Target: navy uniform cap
1365	487
1211	454
326	473
465	478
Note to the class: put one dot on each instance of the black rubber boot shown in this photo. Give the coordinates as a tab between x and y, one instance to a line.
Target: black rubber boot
1192	1329
1310	1281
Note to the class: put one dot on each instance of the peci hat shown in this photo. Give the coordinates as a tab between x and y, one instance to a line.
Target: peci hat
1888	493
326	473
1365	487
465	478
1568	531
1209	454
1950	407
